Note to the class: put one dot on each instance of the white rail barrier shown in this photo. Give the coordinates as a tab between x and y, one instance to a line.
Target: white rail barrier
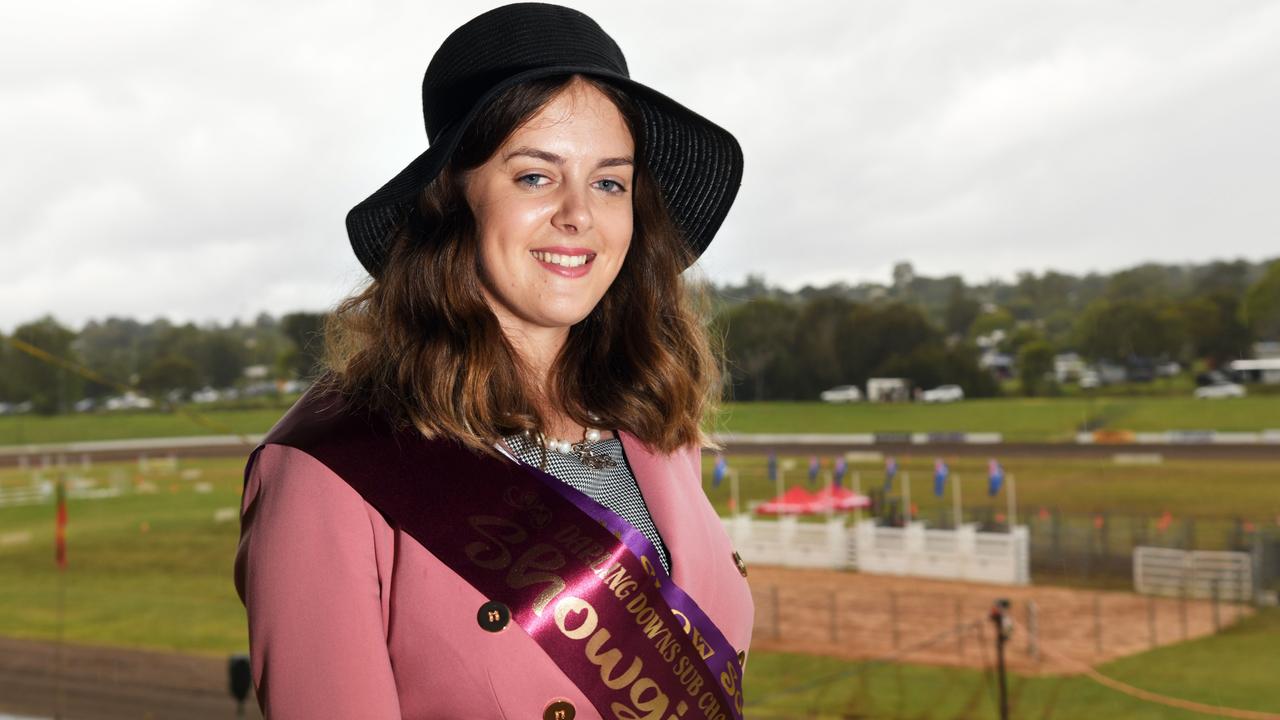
963	554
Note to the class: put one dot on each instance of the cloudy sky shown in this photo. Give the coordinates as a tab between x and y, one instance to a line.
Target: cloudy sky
195	159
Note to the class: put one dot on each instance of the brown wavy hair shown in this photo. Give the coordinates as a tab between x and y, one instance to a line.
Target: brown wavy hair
420	343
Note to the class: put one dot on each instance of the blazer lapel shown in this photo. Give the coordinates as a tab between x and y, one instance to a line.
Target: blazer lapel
665	493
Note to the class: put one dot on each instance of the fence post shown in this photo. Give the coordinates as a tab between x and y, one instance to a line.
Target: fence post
1033	630
1213	588
1182	607
893	616
1097	622
835	631
777	616
1151	620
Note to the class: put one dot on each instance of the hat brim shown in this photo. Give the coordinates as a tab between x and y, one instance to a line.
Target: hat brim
696	163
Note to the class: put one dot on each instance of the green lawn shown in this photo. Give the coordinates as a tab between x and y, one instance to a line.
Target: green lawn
155	571
1246	488
1018	419
1235	668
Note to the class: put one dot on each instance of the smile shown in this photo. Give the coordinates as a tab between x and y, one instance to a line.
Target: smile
563	260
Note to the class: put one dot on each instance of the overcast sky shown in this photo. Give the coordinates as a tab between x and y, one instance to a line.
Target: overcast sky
196	159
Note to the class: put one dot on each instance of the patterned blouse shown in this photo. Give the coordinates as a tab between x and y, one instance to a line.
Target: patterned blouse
613	487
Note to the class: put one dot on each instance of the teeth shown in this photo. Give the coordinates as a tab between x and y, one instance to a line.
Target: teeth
568	261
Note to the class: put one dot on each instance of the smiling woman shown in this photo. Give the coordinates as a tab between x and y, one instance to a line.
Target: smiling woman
491	504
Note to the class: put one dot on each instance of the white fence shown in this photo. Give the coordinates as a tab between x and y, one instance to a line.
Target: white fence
963	554
1195	573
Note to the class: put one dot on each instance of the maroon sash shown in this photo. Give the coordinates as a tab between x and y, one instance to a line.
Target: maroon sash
580	580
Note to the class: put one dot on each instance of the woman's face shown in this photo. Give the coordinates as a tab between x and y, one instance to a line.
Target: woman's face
553	211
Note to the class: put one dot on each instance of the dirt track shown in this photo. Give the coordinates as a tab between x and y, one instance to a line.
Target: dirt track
860	616
107	683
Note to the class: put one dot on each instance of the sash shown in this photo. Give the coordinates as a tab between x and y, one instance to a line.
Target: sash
585	584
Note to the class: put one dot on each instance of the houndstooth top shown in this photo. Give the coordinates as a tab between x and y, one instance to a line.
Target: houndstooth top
614	487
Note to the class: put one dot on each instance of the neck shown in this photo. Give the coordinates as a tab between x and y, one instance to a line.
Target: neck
537	348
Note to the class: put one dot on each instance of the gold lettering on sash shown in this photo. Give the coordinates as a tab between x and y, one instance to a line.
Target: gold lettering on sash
508	533
619	581
570	604
701	645
608	660
684	620
729	681
654	705
527	571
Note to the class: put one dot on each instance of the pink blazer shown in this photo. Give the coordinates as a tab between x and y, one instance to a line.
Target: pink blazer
349	617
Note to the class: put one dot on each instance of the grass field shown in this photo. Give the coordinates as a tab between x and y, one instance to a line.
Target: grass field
1249	489
1018	419
155	571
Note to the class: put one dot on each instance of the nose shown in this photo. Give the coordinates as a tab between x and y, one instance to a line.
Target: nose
574	213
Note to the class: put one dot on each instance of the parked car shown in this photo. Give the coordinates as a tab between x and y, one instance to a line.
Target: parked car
1220	390
943	394
842	394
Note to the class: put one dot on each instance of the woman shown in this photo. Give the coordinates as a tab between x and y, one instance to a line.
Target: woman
491	505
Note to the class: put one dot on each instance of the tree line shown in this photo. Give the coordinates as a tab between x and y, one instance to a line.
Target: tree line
778	344
791	345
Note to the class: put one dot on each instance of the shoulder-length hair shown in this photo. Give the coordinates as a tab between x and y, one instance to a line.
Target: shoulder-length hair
420	343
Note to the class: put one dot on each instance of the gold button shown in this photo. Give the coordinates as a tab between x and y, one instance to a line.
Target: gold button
559	710
737	560
493	616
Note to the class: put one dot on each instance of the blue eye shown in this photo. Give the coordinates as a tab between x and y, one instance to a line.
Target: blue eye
616	185
524	178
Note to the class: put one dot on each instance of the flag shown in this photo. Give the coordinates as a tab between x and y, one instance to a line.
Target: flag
773	466
890	469
841	467
995	477
722	468
940	473
60	527
814	466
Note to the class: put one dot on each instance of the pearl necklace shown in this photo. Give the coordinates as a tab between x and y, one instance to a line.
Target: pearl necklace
584	454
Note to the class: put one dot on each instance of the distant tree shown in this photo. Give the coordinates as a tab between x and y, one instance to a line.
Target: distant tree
1035	365
1122	329
1228	278
872	335
1261	308
50	388
113	349
961	311
903	275
1021	335
222	358
306	331
757	335
1214	330
170	372
815	351
1144	282
988	322
7	390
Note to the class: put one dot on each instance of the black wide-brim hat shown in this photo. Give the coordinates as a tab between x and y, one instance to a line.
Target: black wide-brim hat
696	163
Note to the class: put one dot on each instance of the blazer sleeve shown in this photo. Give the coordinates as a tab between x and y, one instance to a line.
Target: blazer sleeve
306	572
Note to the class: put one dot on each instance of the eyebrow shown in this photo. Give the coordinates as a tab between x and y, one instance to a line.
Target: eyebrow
557	160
